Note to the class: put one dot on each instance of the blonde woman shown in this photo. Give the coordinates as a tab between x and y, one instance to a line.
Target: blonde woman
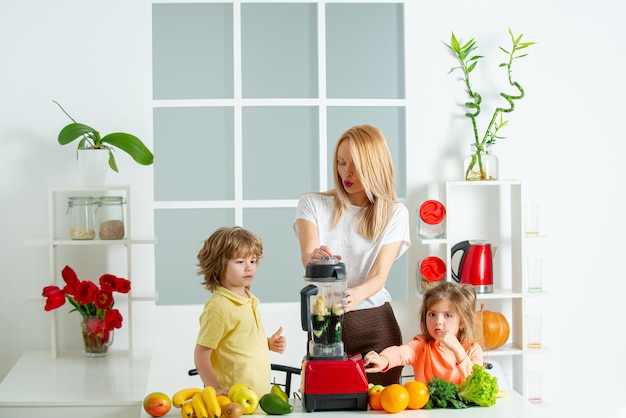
360	222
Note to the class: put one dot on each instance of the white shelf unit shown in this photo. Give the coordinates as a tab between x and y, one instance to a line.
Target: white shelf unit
58	237
492	211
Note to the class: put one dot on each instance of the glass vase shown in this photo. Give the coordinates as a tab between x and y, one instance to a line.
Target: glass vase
96	338
481	164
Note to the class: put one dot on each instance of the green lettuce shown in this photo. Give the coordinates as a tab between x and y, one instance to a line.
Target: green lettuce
479	388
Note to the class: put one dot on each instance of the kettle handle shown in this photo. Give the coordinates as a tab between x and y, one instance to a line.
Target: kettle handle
305	306
461	246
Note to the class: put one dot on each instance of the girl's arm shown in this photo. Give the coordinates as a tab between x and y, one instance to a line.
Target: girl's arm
202	359
376	277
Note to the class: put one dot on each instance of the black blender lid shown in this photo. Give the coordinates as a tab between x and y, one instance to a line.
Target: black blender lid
326	270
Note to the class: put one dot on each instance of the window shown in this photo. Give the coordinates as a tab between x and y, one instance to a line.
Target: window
248	102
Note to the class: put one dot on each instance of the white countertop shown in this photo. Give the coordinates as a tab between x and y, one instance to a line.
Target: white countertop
73	385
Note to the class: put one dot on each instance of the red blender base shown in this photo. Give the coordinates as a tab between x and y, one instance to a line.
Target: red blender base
334	385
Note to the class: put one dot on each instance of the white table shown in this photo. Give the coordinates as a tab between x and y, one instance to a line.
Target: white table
114	386
73	385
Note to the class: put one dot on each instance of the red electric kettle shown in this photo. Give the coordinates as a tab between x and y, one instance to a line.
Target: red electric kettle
476	265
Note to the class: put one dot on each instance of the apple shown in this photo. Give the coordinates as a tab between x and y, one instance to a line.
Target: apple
246	398
157	404
375	388
235	388
232	410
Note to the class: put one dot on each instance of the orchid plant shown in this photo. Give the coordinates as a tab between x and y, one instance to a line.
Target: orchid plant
94	303
464	54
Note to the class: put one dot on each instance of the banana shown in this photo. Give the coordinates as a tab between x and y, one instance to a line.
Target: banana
187	410
210	400
179	398
199	408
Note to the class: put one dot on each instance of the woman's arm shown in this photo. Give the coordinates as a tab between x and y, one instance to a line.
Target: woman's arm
202	359
308	236
376	278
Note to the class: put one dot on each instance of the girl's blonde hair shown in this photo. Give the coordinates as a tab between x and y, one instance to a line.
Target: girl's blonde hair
374	167
462	299
223	245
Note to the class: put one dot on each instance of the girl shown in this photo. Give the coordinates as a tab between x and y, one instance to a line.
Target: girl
446	348
232	346
361	222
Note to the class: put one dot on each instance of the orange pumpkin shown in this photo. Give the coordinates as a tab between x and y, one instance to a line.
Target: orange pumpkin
493	328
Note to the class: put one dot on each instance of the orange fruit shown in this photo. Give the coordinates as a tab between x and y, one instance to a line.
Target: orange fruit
418	394
394	398
374	401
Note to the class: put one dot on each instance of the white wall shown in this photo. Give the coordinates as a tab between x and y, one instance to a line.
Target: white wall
565	140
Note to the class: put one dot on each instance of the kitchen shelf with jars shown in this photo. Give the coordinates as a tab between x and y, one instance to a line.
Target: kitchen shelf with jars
90	226
483	224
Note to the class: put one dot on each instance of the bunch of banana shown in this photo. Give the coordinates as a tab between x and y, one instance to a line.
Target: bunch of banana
198	403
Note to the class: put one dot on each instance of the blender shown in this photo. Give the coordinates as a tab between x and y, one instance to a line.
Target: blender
331	379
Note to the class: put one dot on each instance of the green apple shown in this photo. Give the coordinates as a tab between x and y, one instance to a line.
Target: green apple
375	388
246	398
235	388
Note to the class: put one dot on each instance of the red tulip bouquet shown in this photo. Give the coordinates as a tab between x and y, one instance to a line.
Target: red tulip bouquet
94	303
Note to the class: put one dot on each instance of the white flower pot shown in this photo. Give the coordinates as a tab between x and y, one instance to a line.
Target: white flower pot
93	166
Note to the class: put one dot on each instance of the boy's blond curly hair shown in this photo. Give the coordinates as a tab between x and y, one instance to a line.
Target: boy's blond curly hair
223	245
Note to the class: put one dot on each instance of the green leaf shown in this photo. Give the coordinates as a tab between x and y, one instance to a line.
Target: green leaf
131	145
74	131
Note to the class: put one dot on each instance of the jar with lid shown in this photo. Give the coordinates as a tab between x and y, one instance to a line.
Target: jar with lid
82	211
432	216
432	271
111	217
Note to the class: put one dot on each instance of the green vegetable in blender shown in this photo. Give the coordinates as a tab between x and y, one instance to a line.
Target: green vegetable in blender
443	394
479	388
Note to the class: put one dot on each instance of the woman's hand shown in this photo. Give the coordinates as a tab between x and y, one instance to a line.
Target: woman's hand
375	363
352	297
322	253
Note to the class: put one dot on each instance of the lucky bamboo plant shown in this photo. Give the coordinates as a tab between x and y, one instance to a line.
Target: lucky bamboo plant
467	63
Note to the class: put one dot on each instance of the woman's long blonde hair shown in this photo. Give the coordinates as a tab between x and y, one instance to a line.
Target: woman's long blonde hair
374	167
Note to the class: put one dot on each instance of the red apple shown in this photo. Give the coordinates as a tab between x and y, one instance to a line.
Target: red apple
157	404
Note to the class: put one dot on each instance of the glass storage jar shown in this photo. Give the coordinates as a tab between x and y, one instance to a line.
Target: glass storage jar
432	216
82	210
432	271
111	217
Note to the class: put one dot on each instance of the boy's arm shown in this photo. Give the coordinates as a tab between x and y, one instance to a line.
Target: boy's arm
277	342
202	359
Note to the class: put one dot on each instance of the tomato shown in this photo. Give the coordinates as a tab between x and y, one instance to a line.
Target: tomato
418	394
394	398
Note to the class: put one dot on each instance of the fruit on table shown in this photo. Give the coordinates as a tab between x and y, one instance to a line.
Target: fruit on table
183	395
209	396
493	328
187	410
199	408
223	400
273	404
394	398
418	394
232	410
157	404
277	390
375	388
246	398
373	400
234	388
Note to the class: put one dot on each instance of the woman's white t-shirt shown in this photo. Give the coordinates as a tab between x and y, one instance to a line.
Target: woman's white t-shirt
357	252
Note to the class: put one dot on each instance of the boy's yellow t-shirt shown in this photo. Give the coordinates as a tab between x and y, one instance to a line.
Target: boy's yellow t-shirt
231	325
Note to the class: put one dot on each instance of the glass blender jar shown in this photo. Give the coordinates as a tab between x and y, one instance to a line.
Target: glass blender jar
321	308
